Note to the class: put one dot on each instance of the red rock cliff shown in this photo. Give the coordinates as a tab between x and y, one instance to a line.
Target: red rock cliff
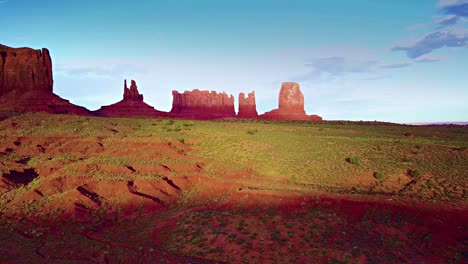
26	83
247	106
291	105
202	104
291	99
131	105
25	69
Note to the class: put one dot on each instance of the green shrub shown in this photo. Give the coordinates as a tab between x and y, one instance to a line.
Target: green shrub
379	175
415	173
252	131
169	122
354	160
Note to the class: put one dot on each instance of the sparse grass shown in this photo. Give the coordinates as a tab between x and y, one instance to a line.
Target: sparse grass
252	131
379	175
266	156
354	160
415	173
306	154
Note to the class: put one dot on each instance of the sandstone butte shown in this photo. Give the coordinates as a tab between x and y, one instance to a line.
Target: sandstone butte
26	83
131	105
198	104
290	105
247	106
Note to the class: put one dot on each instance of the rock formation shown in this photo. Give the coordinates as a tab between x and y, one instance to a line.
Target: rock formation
247	106
130	106
291	99
198	104
25	69
132	93
26	83
291	105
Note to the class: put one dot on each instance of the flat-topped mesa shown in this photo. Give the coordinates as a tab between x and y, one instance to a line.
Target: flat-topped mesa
131	105
202	104
26	83
132	93
247	106
25	69
290	105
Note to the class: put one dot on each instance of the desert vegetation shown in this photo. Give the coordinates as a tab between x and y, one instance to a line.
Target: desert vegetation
164	190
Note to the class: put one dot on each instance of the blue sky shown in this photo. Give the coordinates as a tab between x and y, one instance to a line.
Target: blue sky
400	61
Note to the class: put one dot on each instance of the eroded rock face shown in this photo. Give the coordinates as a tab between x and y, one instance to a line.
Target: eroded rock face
132	93
202	104
291	105
291	99
25	69
26	83
131	105
247	106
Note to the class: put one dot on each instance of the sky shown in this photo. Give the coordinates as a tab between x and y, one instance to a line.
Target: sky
396	61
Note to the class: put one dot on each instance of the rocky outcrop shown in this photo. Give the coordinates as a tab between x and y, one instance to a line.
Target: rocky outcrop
131	105
198	104
291	99
26	83
132	93
291	105
247	106
25	69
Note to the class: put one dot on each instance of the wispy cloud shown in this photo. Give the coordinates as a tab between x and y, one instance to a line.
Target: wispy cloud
451	31
451	37
396	65
340	65
329	63
454	7
454	11
429	59
447	20
423	59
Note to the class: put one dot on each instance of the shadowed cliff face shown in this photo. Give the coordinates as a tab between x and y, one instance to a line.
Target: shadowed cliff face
25	69
26	83
202	104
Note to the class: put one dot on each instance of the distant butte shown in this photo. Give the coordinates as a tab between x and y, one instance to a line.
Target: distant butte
26	83
247	106
131	105
290	105
198	104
